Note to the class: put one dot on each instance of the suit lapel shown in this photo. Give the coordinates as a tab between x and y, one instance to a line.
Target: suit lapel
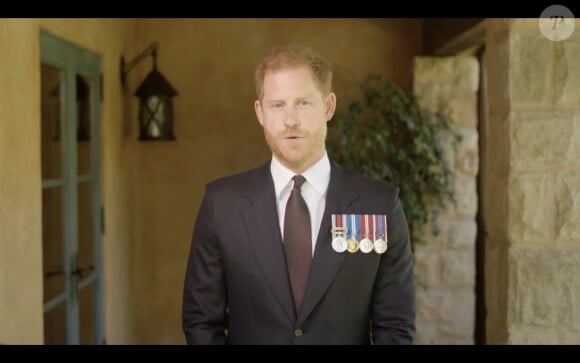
261	222
326	262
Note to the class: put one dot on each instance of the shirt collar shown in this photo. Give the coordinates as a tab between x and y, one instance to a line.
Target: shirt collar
318	175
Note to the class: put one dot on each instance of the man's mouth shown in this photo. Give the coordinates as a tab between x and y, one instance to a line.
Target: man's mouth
293	137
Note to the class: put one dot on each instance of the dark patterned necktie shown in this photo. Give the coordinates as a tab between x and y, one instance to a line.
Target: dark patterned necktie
297	241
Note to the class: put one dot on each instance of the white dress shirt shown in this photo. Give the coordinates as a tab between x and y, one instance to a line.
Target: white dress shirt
313	191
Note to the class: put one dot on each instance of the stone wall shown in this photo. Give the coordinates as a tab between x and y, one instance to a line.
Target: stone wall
530	199
445	264
544	185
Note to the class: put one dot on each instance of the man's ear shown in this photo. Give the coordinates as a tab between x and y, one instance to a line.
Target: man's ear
258	109
330	105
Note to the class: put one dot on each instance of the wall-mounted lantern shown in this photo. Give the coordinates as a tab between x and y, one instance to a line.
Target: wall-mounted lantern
155	105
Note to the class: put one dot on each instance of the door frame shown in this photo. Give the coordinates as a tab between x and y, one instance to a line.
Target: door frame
72	60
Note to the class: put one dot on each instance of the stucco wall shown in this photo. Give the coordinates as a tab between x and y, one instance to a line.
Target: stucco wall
20	191
151	191
20	247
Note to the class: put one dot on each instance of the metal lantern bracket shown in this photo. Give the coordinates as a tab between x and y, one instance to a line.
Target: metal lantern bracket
155	93
151	50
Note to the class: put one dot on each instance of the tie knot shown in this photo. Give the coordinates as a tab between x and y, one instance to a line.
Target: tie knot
298	181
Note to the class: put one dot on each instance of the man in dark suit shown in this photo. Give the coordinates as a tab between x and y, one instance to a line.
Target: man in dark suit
324	258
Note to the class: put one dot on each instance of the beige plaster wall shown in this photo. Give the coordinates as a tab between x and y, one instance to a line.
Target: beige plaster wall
20	193
151	190
20	182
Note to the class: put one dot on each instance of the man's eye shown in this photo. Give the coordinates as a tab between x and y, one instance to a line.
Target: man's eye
303	103
277	105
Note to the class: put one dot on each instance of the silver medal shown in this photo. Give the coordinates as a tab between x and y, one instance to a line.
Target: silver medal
339	244
366	245
380	246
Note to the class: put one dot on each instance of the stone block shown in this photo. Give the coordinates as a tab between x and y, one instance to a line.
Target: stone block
439	79
427	267
462	233
545	140
529	67
439	241
462	109
458	312
427	334
532	209
543	336
467	156
568	207
466	196
543	288
429	305
458	268
447	313
566	76
527	335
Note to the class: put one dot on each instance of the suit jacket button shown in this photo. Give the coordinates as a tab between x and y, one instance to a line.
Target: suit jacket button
298	332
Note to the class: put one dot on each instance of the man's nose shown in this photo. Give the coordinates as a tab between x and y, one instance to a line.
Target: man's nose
291	116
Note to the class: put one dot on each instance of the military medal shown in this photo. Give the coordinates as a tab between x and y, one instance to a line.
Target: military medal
366	245
353	244
380	243
380	246
339	243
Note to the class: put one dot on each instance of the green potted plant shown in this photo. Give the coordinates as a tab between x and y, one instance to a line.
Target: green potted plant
388	135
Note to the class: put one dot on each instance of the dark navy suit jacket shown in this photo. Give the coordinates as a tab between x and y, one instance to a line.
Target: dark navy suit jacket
237	289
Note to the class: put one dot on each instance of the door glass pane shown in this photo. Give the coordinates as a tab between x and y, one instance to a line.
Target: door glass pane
83	111
87	314
55	325
52	242
85	228
50	119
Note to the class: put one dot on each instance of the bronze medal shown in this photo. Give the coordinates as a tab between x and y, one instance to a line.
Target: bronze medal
353	245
